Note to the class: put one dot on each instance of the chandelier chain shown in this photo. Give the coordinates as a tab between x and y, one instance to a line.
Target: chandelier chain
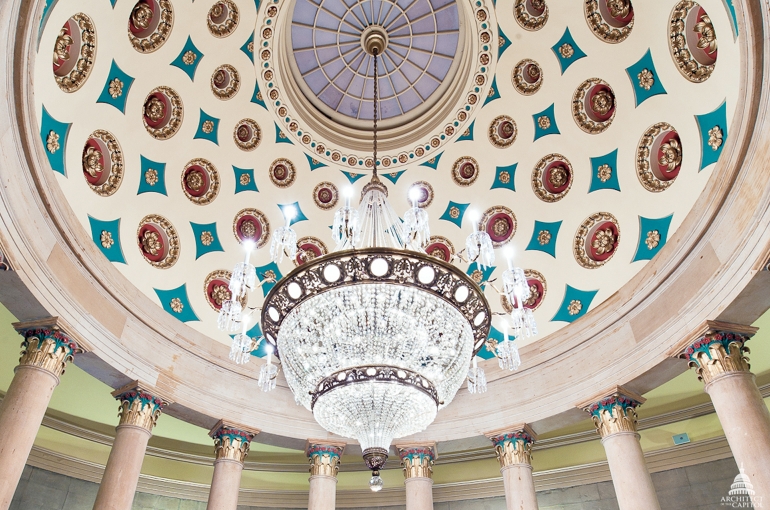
376	101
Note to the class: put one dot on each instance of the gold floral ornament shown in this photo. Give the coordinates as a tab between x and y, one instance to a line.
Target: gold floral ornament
200	181
504	177
142	15
155	110
151	243
671	155
194	180
116	88
602	102
566	50
527	19
715	138
646	79
574	307
206	238
269	274
61	46
477	276
558	176
151	176
454	212
619	8
176	305
708	37
593	106
248	229
208	127
244	179
52	142
220	294
604	173
92	162
544	122
653	239
500	227
611	24
647	156
604	241
543	237
189	57
534	295
106	239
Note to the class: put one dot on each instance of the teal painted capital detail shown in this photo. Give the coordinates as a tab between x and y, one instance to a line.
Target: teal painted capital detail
512	437
47	348
609	403
717	353
417	454
324	459
318	450
138	407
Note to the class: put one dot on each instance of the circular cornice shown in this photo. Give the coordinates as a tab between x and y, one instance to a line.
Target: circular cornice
722	243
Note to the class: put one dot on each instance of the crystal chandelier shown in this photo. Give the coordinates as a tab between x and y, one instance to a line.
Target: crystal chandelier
377	336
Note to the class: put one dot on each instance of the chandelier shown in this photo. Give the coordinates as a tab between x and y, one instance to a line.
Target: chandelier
377	336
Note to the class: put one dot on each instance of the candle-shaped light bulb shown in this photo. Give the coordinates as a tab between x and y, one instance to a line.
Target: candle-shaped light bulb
509	256
269	350
348	194
289	212
505	330
475	363
474	216
414	195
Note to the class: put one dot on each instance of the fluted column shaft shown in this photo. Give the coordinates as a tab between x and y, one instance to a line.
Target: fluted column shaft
514	452
44	357
718	357
139	411
324	459
615	419
417	461
231	446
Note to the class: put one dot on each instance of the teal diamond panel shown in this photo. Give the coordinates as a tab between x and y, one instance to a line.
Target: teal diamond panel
176	303
54	136
541	241
543	127
116	89
188	59
298	214
494	92
713	133
207	131
263	272
244	180
653	234
432	162
604	172
206	238
393	176
644	79
106	236
280	136
153	178
468	135
454	213
562	51
574	305
504	177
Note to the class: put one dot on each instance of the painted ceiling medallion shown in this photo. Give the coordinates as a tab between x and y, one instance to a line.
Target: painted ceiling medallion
425	196
552	178
527	77
225	82
441	248
659	157
596	240
149	24
158	241
282	173
309	248
465	171
223	18
103	163
326	195
502	131
247	135
593	106
200	181
610	20
162	113
74	52
693	41
251	225
531	14
216	288
537	290
500	223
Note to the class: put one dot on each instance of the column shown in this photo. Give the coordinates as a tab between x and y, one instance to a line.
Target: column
417	461
231	446
718	357
46	350
513	447
614	416
324	458
139	411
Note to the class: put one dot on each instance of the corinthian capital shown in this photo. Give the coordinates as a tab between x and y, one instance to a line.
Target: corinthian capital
324	457
232	441
139	406
417	459
614	411
513	445
46	345
718	348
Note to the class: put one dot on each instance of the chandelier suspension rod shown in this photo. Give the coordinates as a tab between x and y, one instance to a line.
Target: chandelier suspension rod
376	103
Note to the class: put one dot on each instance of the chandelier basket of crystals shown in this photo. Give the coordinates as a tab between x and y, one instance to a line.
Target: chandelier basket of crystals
377	336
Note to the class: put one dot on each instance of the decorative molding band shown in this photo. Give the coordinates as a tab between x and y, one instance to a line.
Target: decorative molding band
661	460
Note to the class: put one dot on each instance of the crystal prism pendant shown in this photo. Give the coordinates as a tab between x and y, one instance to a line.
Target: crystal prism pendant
416	228
376	483
284	242
477	379
480	249
243	279
345	229
229	319
267	377
508	356
242	345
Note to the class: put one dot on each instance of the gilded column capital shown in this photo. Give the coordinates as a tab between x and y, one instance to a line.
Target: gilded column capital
138	407
513	445
417	459
46	345
324	457
232	441
719	350
614	412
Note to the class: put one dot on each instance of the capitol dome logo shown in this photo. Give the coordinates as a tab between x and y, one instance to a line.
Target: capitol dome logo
742	493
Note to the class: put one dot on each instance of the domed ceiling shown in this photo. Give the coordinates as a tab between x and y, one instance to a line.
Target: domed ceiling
582	133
